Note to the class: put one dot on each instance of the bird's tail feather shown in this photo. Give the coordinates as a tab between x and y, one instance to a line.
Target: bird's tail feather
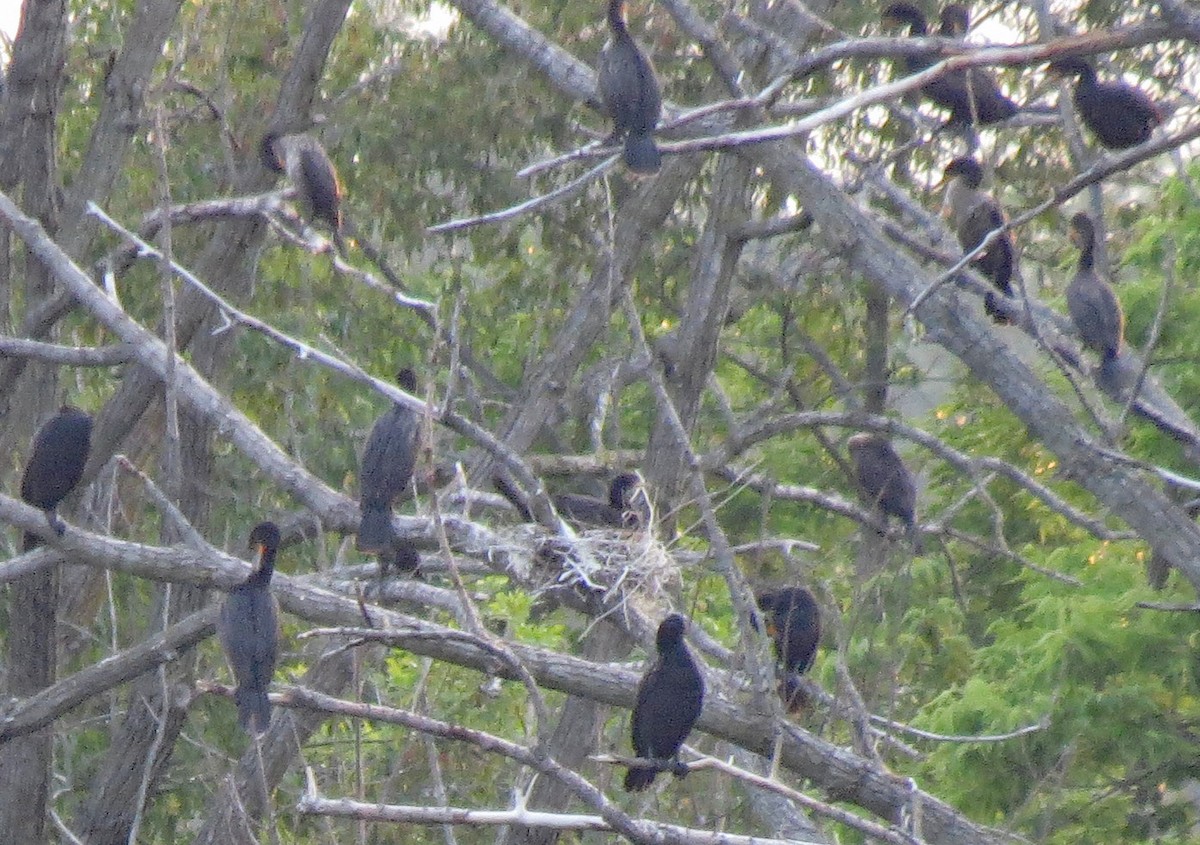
254	709
638	779
375	533
641	153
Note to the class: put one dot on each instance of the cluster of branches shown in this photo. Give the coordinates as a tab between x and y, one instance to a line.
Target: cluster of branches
198	319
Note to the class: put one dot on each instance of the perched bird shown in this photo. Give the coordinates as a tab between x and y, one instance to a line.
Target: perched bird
627	505
249	631
971	96
1094	308
56	461
310	173
954	21
884	482
794	623
630	93
975	215
1119	115
387	468
669	699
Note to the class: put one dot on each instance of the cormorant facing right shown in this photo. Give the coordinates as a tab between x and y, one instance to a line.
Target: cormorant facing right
1119	115
669	699
969	96
794	624
387	468
249	631
310	172
884	482
1094	308
975	215
630	93
55	465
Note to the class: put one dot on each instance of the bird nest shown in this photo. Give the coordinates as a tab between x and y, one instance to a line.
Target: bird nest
605	562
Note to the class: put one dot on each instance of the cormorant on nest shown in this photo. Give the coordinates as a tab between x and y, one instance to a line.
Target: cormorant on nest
971	96
249	632
55	465
669	699
627	505
1119	115
387	468
975	215
794	624
884	482
630	93
310	173
1094	308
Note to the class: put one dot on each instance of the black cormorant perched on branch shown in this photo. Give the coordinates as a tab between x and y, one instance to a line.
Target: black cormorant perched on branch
627	505
1119	115
1094	308
310	173
884	482
387	468
249	631
955	21
975	215
971	96
669	699
629	90
55	465
794	624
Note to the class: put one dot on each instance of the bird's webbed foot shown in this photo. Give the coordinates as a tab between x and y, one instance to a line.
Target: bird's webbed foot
57	525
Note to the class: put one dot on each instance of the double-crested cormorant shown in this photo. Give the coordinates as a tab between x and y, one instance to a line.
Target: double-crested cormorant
629	90
387	468
1094	308
975	215
1119	115
955	21
884	482
627	505
310	172
970	96
794	623
56	461
669	699
249	630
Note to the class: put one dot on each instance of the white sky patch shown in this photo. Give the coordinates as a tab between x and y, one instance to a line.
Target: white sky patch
434	24
10	19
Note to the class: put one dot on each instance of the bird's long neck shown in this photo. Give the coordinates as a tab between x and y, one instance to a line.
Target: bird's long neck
616	17
1087	253
962	199
262	576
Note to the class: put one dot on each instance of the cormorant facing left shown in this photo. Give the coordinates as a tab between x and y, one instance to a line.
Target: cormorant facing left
970	96
630	93
249	631
976	215
794	624
884	482
1094	308
1119	115
55	465
310	172
669	699
387	468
